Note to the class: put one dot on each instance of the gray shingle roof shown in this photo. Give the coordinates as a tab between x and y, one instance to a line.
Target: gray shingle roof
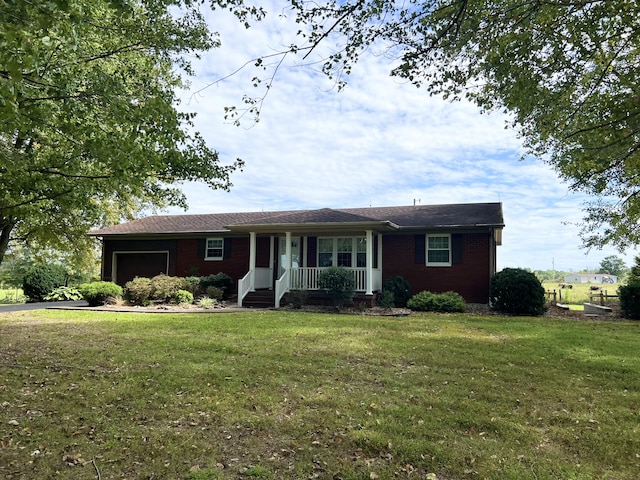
404	217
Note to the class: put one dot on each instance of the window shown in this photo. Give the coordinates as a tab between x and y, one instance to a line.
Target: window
347	252
325	252
439	250
215	248
361	252
345	249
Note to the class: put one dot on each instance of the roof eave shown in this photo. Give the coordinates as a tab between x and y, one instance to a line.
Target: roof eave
320	227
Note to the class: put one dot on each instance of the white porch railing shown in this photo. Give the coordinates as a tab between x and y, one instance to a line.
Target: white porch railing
302	278
245	285
282	287
306	278
257	278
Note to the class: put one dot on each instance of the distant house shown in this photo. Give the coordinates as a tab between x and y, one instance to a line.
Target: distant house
590	278
435	247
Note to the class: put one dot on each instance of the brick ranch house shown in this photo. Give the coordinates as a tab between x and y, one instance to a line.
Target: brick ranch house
434	247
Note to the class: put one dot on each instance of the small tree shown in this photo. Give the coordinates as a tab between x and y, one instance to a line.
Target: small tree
634	274
517	291
630	293
339	283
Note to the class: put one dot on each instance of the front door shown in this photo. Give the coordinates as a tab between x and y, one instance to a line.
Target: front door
282	254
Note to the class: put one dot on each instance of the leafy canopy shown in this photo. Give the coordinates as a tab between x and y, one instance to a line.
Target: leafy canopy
565	70
90	132
612	265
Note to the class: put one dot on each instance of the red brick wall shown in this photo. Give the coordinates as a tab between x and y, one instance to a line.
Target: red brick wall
470	278
190	257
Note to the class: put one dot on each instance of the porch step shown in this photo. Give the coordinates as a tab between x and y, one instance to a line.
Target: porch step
260	299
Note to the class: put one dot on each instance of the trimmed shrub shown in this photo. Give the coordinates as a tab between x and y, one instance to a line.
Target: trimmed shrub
215	293
220	280
40	281
192	284
630	301
184	296
400	288
61	294
446	302
517	292
386	299
164	288
339	283
138	291
98	293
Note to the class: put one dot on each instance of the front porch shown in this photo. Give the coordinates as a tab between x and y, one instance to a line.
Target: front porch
367	281
296	262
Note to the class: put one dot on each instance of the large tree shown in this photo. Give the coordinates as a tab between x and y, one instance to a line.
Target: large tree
566	70
90	132
612	265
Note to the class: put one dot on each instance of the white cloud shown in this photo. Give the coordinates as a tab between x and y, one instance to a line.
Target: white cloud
377	142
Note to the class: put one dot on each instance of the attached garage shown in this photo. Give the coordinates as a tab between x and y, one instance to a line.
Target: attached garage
128	265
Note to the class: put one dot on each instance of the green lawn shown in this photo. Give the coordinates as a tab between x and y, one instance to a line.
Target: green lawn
11	295
579	292
284	395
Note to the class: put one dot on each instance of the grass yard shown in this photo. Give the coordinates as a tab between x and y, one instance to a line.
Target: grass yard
11	295
285	395
579	292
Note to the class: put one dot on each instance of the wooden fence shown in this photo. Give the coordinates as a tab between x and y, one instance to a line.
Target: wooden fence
601	297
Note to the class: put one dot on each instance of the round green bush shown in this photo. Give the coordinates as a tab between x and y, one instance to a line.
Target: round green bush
219	280
517	292
164	287
138	291
41	280
97	293
184	296
339	283
216	293
192	284
400	288
447	302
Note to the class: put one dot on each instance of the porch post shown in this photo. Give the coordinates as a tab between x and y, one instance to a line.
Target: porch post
287	250
289	259
380	257
369	263
252	259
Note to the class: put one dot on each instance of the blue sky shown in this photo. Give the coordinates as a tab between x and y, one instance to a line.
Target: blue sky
379	142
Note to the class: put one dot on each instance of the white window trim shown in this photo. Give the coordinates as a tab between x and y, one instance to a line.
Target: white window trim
438	264
206	249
